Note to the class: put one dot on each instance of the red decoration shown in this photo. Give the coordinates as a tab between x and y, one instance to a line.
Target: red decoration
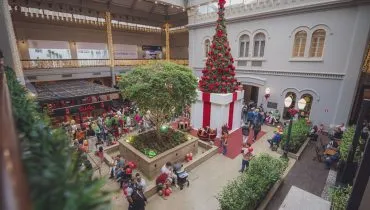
67	112
102	105
293	112
267	96
218	75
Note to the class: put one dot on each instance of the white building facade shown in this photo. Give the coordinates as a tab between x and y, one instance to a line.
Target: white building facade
310	49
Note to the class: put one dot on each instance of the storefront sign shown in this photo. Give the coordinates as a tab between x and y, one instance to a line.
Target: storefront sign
151	48
87	108
80	108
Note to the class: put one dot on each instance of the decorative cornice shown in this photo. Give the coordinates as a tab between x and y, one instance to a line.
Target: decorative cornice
318	75
266	9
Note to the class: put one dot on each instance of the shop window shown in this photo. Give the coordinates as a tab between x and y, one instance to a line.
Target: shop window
317	43
299	44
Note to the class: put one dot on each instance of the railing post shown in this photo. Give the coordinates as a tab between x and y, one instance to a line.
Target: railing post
108	21
8	41
167	30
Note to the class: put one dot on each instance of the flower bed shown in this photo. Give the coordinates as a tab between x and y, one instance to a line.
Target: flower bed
346	143
151	144
339	197
298	135
248	190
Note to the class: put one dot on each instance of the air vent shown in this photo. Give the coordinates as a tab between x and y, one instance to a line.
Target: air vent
66	75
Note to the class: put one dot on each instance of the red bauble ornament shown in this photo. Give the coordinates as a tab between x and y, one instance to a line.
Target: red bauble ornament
232	73
210	64
220	55
223	83
214	76
213	69
220	33
227	53
233	68
204	71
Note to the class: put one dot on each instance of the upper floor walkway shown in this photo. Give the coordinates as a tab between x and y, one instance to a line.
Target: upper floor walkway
66	69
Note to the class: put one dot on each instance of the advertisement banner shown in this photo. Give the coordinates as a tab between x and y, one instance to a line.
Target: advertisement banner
124	51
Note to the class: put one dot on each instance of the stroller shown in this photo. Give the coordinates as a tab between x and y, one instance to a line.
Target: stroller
182	176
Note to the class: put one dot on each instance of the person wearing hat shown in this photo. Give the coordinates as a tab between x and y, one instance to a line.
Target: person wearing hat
247	155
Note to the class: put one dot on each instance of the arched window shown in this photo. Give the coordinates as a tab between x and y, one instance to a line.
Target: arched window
307	109
317	43
294	98
259	45
244	46
299	44
207	44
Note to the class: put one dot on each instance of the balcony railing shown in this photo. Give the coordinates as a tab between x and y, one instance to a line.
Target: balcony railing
78	63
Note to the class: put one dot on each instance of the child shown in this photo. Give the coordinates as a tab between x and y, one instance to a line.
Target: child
247	155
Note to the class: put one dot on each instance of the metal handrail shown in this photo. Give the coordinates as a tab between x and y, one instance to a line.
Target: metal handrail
78	63
14	191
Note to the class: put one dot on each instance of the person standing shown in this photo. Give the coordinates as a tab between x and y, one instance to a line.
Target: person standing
224	142
256	129
138	198
247	155
245	132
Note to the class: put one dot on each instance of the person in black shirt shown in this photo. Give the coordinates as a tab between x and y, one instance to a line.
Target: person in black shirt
138	198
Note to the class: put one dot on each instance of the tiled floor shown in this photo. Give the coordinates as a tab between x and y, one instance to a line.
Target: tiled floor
206	181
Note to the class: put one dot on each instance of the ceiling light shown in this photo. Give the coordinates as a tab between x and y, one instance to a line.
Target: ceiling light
156	2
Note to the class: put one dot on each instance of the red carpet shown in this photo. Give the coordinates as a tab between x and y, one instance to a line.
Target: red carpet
235	141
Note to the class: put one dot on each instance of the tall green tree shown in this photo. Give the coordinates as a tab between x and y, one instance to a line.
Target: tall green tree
161	87
219	72
51	164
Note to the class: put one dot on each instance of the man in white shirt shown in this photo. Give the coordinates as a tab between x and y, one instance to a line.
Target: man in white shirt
140	181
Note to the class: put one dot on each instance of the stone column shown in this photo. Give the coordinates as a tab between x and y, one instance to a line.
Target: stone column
108	21
73	49
167	30
8	43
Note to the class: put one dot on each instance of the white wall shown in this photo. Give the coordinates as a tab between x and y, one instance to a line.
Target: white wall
346	39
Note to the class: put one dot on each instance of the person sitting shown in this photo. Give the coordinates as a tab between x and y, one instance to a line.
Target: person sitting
275	140
167	169
313	133
338	133
331	154
275	117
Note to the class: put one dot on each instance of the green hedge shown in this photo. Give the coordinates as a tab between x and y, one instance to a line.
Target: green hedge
51	164
249	189
346	143
300	129
339	197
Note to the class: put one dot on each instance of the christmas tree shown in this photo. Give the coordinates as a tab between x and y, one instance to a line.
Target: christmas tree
218	75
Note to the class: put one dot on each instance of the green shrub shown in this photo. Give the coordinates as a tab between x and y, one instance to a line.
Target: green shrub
339	197
249	189
51	164
346	144
298	135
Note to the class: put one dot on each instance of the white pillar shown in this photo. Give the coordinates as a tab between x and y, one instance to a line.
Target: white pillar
8	43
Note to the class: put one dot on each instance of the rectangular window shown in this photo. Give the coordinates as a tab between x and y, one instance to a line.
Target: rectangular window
257	63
